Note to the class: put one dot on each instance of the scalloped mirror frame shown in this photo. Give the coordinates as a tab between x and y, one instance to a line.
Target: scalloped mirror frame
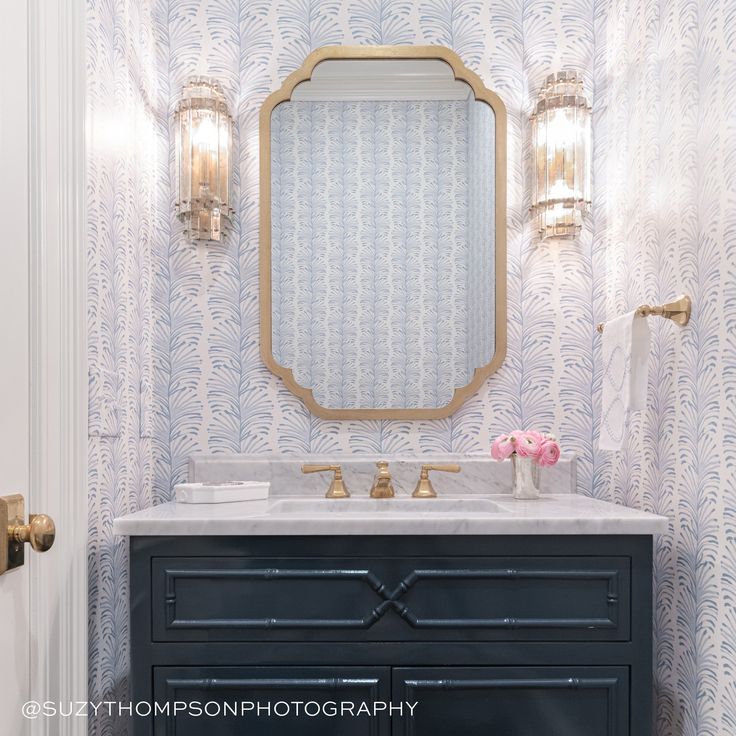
303	74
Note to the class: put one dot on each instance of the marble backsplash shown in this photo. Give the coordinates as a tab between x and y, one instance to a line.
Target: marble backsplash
480	474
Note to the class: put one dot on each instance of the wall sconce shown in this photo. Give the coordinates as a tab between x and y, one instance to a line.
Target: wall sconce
203	133
561	140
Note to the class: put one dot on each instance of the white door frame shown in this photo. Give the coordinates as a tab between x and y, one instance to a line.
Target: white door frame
58	354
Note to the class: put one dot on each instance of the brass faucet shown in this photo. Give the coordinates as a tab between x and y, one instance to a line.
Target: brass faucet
382	486
337	488
424	488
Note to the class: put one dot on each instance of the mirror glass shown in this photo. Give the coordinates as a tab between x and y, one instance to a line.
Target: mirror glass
383	234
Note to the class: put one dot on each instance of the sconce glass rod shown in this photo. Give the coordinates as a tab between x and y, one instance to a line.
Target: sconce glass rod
561	144
203	137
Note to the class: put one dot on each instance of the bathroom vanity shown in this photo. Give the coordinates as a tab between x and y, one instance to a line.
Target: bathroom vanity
518	618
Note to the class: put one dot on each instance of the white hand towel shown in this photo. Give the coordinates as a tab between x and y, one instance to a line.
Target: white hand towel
625	372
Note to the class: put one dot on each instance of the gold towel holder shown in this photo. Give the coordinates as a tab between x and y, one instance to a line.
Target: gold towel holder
678	311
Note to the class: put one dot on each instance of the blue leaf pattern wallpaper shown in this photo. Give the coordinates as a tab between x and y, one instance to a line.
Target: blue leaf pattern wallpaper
665	202
173	328
128	223
382	261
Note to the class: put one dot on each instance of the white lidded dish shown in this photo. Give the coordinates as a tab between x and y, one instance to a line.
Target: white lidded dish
229	492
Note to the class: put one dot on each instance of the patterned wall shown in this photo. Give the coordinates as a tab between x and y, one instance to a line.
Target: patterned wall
662	77
382	261
212	392
666	224
127	206
173	328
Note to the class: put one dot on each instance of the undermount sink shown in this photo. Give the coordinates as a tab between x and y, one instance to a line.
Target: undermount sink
444	506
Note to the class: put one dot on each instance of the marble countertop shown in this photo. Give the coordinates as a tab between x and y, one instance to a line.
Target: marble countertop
480	474
566	513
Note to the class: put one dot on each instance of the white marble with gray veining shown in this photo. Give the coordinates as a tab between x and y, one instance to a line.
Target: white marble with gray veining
480	474
559	513
475	501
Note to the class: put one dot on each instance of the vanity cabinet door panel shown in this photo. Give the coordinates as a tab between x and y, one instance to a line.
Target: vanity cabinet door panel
391	599
278	687
256	599
517	598
513	701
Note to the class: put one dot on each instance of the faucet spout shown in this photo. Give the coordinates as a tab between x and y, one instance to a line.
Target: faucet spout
382	486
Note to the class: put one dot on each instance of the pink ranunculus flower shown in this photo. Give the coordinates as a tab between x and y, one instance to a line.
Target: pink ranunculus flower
538	436
514	437
549	452
528	444
502	447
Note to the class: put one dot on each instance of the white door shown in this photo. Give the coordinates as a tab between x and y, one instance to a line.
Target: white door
14	365
15	637
43	404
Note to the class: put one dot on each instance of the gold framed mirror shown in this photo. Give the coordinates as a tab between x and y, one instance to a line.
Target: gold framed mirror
383	232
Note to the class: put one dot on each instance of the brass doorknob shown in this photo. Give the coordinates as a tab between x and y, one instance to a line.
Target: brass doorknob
40	532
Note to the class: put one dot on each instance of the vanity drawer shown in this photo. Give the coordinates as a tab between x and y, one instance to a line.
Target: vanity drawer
391	599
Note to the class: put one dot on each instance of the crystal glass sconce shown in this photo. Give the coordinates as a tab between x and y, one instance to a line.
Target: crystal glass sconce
561	143
203	135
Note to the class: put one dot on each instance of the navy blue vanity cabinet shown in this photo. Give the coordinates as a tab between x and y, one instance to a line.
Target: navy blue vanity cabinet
508	635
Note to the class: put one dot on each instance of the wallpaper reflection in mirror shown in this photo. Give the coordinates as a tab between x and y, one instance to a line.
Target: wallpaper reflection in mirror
383	247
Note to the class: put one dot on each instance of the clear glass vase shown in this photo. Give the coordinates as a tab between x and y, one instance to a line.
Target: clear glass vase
525	477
